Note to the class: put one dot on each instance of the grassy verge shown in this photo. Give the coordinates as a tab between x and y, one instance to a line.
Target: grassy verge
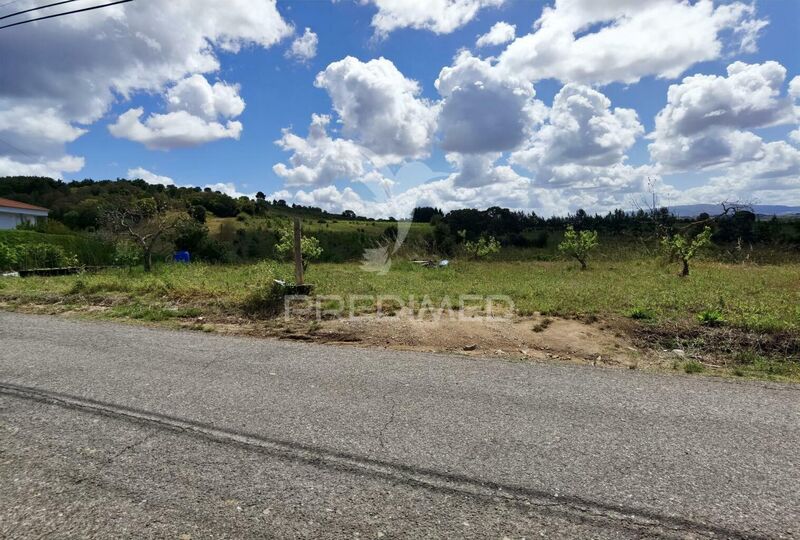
756	309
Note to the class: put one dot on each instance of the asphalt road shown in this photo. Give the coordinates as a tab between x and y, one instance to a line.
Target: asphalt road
118	431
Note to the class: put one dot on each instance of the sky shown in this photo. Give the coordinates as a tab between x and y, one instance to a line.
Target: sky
378	106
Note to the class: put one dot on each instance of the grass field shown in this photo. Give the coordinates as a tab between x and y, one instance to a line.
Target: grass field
761	303
759	298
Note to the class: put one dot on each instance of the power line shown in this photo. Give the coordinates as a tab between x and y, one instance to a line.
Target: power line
36	8
65	13
18	149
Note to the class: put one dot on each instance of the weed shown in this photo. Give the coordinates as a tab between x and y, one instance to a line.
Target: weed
711	317
693	366
265	300
640	314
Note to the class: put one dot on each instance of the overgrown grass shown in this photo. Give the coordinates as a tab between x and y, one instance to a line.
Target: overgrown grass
764	299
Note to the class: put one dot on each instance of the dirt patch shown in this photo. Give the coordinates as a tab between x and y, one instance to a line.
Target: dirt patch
521	338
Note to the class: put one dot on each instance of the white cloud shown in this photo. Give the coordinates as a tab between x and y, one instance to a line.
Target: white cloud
196	112
304	47
484	110
149	177
32	140
199	98
444	194
706	119
172	130
319	159
439	16
116	52
624	40
54	168
500	33
772	179
379	107
583	143
228	188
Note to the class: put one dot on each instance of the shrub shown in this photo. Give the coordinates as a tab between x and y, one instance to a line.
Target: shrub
44	256
485	246
711	317
8	257
309	247
126	253
265	300
578	244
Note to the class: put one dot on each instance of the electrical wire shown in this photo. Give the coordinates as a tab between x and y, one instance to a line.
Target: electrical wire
65	13
36	8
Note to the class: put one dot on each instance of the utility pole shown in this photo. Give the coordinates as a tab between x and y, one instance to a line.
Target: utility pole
298	253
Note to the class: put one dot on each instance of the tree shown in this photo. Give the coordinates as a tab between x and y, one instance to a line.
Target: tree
146	222
309	247
578	244
424	214
485	246
683	247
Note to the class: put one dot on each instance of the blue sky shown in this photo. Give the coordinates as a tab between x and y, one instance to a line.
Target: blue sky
600	167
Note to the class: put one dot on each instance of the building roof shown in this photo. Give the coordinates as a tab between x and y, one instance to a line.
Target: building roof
8	203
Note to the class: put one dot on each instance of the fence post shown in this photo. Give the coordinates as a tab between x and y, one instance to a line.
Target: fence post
298	253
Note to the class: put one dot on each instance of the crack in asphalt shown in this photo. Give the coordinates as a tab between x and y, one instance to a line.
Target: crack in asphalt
382	432
570	507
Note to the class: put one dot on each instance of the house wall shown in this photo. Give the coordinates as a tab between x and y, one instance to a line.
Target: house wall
10	220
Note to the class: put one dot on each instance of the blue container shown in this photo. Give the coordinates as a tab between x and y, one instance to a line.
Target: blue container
182	257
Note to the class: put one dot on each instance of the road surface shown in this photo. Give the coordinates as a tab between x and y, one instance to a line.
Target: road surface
109	430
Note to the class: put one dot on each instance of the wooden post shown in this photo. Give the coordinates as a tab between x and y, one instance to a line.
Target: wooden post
298	253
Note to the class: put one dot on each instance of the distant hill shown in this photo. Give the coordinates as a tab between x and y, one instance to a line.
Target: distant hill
694	210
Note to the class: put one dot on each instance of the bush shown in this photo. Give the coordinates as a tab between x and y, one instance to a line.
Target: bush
126	253
44	256
481	249
91	251
265	300
8	257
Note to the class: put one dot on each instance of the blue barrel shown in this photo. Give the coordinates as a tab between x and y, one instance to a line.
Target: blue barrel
182	257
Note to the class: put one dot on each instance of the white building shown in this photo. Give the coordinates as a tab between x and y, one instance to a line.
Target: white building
12	213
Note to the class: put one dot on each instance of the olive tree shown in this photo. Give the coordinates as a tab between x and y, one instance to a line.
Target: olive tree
684	247
578	244
146	222
485	246
309	247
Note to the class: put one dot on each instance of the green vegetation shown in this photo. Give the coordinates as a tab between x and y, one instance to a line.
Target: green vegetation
684	247
309	247
740	303
693	366
578	245
483	248
754	297
711	317
640	314
88	250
